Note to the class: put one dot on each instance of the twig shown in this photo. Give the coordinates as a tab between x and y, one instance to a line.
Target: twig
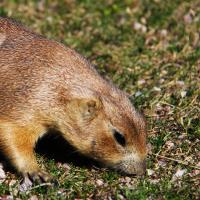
178	161
40	185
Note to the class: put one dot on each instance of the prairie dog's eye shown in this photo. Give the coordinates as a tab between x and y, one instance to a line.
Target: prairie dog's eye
119	137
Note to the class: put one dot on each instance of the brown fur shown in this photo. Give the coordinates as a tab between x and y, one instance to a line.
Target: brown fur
43	85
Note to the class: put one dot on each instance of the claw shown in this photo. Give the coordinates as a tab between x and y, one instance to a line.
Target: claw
38	177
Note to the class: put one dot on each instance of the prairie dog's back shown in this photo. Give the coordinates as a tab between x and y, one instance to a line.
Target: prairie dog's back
34	63
23	48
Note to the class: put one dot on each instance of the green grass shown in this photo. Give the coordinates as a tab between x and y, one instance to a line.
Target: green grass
159	67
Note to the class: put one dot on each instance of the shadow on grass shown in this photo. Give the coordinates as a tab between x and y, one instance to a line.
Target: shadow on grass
54	146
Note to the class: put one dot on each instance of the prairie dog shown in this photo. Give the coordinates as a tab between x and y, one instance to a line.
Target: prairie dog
43	85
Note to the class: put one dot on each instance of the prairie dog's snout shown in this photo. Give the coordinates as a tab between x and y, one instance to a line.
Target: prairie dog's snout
141	167
132	166
44	84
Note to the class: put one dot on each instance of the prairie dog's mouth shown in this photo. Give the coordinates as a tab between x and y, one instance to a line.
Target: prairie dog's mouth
130	167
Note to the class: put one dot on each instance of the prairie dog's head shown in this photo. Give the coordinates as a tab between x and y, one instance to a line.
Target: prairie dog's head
109	131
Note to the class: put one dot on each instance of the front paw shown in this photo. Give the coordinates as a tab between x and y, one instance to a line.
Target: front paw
39	176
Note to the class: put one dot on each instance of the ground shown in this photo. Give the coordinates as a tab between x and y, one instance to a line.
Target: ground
151	50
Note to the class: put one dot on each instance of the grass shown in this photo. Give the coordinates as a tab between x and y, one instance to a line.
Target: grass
151	50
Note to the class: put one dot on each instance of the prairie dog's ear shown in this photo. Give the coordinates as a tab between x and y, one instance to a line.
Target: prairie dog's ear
84	108
90	107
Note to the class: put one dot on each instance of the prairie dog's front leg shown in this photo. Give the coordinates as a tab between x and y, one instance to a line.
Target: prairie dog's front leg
17	142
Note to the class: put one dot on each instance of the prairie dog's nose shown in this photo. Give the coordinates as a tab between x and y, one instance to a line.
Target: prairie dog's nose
140	167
